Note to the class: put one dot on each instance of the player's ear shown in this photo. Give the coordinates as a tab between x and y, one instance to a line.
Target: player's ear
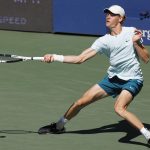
122	19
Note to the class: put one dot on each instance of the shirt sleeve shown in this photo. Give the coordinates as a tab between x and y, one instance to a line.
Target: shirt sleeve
99	45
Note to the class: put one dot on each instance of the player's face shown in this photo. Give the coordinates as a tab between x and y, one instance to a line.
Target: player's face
112	20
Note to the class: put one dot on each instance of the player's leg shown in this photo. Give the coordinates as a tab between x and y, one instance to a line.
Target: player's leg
121	105
123	100
93	94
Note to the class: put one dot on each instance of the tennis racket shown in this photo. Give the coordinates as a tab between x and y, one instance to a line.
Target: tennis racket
8	58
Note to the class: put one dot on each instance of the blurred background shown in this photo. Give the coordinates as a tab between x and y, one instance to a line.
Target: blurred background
71	16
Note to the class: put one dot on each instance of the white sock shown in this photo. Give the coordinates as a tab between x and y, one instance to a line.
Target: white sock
145	132
61	122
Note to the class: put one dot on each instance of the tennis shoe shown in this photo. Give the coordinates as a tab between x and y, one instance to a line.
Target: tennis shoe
50	129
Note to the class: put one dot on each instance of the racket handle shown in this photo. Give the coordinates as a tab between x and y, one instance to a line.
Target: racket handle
38	58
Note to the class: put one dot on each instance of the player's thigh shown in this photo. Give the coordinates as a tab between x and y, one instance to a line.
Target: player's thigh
124	99
93	94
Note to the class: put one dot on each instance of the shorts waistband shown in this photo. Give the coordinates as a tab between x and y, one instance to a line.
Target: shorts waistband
116	79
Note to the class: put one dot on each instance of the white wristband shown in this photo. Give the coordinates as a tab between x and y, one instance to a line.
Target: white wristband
59	58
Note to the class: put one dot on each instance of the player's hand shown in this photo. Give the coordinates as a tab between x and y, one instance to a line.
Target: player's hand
137	35
48	58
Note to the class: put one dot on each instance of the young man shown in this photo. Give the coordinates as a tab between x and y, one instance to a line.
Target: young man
123	47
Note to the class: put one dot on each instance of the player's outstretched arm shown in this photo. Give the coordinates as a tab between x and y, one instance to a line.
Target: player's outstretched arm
72	59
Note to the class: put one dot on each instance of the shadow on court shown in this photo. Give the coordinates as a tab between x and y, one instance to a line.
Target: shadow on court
15	132
121	126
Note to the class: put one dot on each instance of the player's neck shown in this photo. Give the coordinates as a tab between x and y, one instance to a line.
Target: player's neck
116	30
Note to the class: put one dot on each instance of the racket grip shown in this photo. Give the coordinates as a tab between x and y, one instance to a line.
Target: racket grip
38	58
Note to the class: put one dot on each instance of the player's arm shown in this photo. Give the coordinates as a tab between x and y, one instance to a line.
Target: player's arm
140	49
142	52
72	59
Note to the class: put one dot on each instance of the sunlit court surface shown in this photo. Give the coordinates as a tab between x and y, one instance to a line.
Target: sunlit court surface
35	93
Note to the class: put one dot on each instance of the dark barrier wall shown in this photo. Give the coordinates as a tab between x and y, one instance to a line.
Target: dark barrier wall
26	15
86	16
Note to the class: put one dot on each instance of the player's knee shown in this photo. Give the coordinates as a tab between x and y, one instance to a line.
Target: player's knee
81	103
119	110
78	105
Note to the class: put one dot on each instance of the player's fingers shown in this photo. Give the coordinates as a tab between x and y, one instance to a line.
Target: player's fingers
138	32
48	58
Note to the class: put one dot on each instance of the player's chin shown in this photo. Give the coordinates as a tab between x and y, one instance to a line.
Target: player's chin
108	25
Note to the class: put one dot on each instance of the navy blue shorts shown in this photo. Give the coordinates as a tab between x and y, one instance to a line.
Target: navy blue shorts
114	86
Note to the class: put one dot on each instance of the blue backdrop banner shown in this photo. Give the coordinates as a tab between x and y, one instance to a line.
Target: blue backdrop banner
87	17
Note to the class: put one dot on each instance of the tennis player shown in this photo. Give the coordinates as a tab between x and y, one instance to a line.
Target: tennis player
124	80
